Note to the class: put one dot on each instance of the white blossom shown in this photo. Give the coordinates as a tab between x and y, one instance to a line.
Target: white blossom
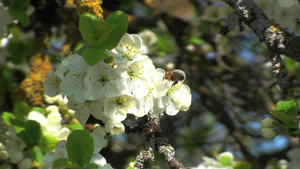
51	84
85	109
72	78
51	125
100	79
117	108
114	127
128	48
135	77
61	151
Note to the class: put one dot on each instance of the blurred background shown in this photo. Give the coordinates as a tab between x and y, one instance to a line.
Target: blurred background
231	79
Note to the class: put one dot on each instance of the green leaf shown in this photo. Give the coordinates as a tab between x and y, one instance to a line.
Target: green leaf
74	126
32	132
225	160
242	165
20	15
80	147
6	116
93	56
287	119
286	111
10	120
110	59
91	166
294	132
82	48
6	2
106	35
47	143
20	110
120	19
17	123
38	109
288	106
22	4
63	162
38	155
90	27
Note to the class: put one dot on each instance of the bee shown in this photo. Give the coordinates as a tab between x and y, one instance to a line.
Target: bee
175	75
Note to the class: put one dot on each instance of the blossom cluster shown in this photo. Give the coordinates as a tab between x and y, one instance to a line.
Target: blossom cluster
51	125
14	148
109	91
61	151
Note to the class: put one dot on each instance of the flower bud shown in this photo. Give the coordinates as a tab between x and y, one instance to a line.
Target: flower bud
26	163
3	154
267	123
268	133
16	156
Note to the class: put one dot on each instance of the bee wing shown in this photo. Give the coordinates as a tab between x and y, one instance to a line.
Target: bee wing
180	73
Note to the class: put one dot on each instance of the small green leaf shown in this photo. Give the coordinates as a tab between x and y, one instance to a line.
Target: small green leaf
17	123
6	116
38	155
242	165
38	109
21	110
288	106
47	143
6	2
32	132
90	27
20	15
82	48
63	162
74	126
105	36
287	119
294	132
91	166
80	147
120	19
10	120
93	56
22	4
225	160
109	59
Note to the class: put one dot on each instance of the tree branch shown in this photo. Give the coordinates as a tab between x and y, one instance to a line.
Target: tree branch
155	141
278	39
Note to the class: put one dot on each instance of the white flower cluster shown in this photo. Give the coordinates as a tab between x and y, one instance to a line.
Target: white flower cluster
14	147
129	85
51	125
61	151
